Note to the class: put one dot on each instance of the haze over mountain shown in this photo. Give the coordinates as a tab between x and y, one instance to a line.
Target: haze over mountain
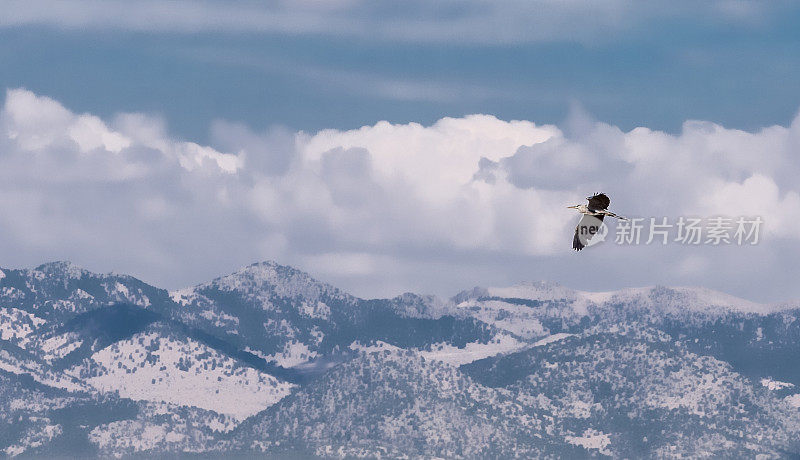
268	360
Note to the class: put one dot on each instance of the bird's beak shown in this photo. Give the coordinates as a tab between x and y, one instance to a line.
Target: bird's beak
572	207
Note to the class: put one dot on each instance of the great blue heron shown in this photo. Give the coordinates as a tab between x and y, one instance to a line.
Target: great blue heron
592	219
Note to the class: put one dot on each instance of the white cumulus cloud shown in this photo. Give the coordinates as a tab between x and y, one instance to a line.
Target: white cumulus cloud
387	207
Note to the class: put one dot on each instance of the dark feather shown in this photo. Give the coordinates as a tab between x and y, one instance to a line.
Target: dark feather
576	241
585	231
599	201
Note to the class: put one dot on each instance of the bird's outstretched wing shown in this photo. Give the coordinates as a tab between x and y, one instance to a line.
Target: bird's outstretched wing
599	201
611	214
586	229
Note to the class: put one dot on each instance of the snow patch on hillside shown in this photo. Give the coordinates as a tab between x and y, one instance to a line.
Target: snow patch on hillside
182	296
16	324
473	351
673	299
597	297
62	268
691	391
294	354
679	299
591	439
516	319
59	346
775	385
162	428
221	319
375	347
152	367
41	433
118	292
138	436
448	353
39	372
315	310
536	290
552	338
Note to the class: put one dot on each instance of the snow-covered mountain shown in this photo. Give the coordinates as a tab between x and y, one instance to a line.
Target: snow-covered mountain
60	290
287	318
269	361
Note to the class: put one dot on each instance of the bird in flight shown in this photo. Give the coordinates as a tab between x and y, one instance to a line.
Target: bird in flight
592	219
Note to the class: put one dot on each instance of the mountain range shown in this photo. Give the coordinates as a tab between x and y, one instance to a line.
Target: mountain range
270	362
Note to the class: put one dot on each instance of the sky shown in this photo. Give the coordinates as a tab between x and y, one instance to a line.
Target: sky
389	147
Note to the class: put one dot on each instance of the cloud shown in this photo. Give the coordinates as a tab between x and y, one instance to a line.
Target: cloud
475	21
387	207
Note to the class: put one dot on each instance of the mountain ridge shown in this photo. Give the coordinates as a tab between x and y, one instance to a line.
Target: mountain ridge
524	290
268	360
